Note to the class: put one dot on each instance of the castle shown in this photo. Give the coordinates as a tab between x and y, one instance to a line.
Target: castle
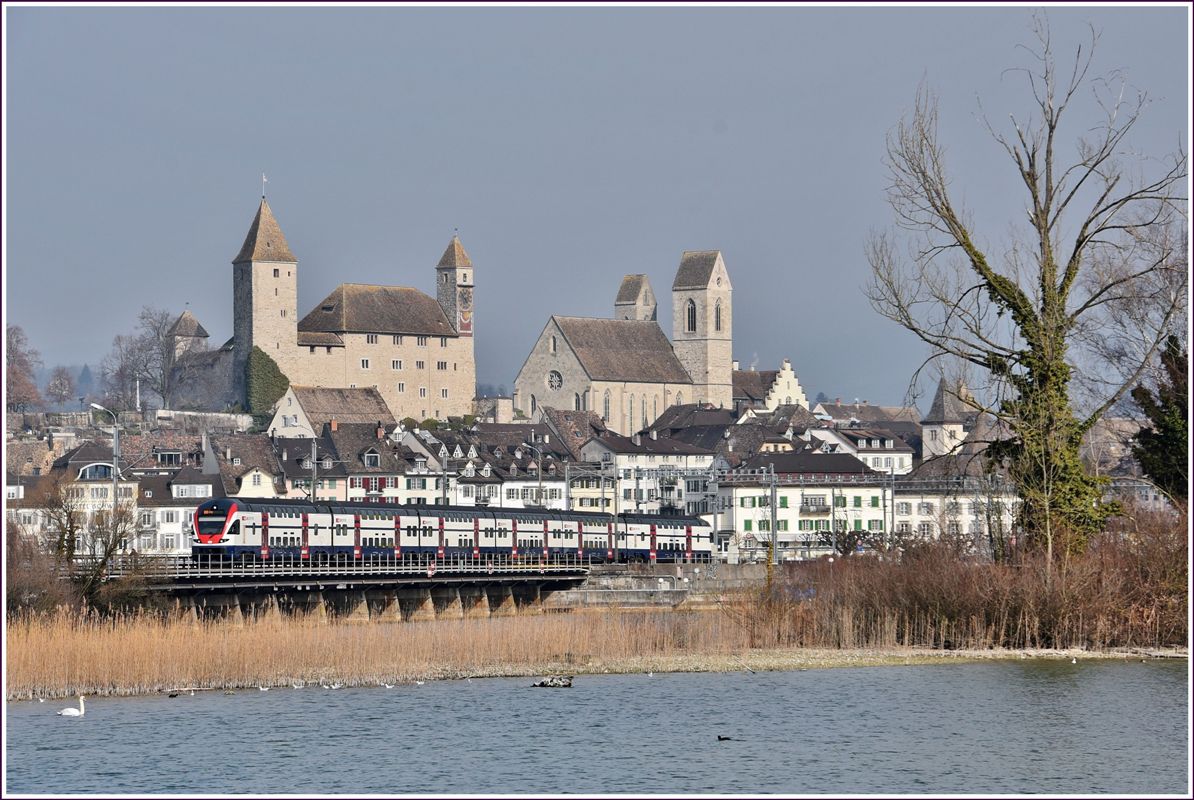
417	351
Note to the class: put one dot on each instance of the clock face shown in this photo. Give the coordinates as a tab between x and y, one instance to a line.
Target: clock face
554	380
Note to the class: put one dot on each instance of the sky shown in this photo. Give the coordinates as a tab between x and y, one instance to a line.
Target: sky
568	146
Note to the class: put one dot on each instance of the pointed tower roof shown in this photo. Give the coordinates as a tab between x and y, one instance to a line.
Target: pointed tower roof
187	325
633	287
948	406
455	256
265	241
696	269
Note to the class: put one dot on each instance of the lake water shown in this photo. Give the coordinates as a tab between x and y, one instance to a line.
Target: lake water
994	727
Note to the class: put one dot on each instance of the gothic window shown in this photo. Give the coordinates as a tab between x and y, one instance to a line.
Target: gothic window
644	408
534	405
717	316
655	408
690	317
630	415
577	402
605	407
679	398
554	380
553	344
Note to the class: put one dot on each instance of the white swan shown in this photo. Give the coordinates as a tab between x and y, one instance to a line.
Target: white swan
388	685
73	712
263	688
419	683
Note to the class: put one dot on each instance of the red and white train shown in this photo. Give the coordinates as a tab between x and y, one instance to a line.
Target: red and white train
259	529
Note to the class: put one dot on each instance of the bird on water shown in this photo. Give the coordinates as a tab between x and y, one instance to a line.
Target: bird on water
73	712
721	738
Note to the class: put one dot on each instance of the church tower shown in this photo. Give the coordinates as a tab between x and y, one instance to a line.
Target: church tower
264	297
454	287
635	299
944	429
702	325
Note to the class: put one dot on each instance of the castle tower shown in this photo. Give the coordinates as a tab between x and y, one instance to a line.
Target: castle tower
187	335
454	287
635	299
944	429
264	296
702	325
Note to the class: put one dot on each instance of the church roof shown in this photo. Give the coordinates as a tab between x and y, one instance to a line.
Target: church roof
753	385
696	268
631	288
361	308
629	350
264	241
455	256
187	325
948	406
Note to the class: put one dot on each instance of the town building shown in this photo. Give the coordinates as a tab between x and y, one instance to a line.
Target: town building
766	390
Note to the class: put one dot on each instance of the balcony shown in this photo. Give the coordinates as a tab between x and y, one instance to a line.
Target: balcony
814	508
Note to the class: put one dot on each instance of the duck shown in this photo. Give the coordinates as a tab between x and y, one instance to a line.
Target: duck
721	738
172	694
73	712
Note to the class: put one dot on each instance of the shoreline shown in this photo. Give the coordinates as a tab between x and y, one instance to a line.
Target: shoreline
756	660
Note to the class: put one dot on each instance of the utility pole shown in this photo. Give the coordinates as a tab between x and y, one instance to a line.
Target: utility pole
774	526
115	465
314	467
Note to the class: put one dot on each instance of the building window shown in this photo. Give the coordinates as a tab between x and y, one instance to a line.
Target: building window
576	402
553	344
420	365
396	364
422	341
397	339
370	338
364	363
401	387
443	393
275	273
441	365
283	312
534	404
717	316
443	341
256	479
422	391
690	317
605	407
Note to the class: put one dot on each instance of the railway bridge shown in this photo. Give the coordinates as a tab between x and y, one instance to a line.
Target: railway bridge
403	589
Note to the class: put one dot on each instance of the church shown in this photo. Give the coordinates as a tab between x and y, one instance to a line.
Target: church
416	350
624	368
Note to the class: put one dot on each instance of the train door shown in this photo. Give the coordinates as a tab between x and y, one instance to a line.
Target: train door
580	540
397	536
264	534
651	553
476	536
439	550
305	552
545	540
356	536
609	541
514	538
687	543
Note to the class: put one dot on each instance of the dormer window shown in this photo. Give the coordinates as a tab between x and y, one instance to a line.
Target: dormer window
236	461
327	463
306	463
170	458
372	459
486	471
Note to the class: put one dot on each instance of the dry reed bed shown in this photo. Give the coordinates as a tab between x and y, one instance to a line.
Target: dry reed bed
62	655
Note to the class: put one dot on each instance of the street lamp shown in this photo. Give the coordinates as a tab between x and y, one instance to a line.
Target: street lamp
538	468
115	460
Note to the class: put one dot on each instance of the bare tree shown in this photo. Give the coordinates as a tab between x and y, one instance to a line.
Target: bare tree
61	388
20	361
146	356
1102	237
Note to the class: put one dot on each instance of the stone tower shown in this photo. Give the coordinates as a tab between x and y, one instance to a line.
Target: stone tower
944	429
187	334
264	297
454	287
635	299
702	325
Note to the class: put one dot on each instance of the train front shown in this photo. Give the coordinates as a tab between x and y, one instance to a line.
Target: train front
214	529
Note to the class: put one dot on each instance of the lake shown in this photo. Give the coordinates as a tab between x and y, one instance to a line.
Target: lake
993	727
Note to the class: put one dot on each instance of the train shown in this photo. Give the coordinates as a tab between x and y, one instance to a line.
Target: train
260	529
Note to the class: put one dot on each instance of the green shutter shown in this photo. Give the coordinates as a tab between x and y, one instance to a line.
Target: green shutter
783	501
857	524
874	501
746	525
858	501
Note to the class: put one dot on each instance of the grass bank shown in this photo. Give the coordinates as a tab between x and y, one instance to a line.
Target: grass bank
62	655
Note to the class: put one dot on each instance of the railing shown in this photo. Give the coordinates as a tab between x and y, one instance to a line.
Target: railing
183	567
814	508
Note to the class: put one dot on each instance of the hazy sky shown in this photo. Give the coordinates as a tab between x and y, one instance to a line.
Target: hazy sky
570	146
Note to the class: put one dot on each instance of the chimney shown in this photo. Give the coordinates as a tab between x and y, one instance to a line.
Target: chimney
227	453
283	453
381	431
735	364
837	401
335	425
654	435
547	438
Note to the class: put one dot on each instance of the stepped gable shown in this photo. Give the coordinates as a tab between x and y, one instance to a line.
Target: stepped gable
364	308
635	351
264	241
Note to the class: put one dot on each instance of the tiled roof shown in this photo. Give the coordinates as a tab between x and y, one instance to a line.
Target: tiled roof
265	241
320	339
354	440
663	445
690	414
323	404
574	427
362	308
254	452
867	413
635	351
632	286
187	325
823	463
290	453
753	385
949	407
455	256
696	268
139	449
